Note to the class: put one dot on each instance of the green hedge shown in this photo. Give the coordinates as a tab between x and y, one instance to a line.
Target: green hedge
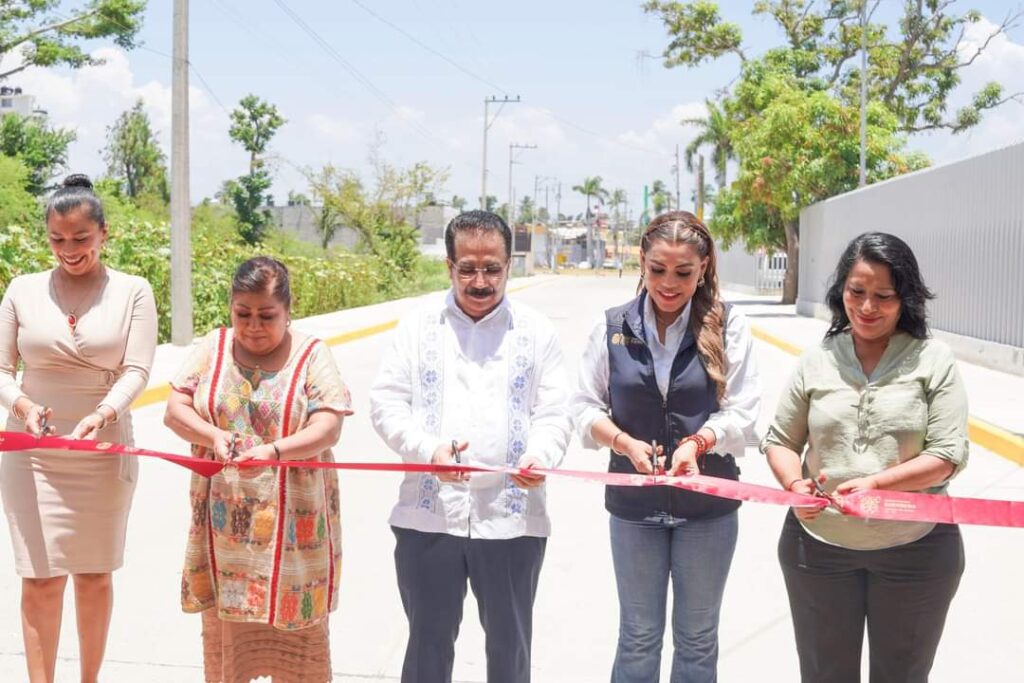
320	284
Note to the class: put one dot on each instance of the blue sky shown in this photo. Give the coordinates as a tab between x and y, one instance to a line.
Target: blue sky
593	99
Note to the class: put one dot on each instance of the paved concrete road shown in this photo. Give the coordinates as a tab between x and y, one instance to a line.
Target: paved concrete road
151	641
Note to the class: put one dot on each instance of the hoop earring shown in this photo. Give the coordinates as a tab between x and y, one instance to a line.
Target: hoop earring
700	282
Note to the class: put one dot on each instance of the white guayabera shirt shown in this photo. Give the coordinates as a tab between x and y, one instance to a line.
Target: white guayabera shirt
497	383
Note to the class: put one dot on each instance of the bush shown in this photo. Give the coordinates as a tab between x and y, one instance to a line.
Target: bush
320	284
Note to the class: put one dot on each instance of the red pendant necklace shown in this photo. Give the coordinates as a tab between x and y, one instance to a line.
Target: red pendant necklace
72	314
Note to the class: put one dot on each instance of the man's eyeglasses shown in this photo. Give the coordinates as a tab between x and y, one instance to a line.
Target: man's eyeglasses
467	271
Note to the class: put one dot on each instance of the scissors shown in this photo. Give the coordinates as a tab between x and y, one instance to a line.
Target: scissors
455	452
233	451
820	491
654	457
45	428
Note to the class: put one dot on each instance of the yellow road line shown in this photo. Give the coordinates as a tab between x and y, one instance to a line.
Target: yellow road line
160	392
988	436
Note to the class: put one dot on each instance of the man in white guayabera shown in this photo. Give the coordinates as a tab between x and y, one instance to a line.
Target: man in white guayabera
477	379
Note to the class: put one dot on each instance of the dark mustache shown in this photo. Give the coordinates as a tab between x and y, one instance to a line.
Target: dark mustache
480	291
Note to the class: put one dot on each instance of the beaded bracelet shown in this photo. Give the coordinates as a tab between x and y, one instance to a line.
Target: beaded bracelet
702	443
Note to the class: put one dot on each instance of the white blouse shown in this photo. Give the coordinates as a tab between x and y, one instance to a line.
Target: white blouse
733	424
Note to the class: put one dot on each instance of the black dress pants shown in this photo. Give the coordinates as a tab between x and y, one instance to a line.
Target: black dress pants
902	594
433	570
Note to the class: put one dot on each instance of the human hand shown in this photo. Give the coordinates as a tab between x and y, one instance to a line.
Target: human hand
223	445
88	427
262	452
684	460
854	486
528	481
807	488
445	455
639	454
35	417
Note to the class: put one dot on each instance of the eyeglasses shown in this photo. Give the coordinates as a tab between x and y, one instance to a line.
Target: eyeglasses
467	271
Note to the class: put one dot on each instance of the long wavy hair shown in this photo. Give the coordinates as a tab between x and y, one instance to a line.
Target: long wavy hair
707	314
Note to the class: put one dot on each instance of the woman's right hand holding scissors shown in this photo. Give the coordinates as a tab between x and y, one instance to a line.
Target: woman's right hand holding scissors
36	419
639	453
224	445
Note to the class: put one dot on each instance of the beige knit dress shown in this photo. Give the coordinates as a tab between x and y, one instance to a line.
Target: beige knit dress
68	512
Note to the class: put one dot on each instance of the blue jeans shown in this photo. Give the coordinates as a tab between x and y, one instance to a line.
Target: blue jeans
696	554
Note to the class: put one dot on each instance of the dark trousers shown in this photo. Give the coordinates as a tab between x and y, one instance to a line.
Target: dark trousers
901	593
432	572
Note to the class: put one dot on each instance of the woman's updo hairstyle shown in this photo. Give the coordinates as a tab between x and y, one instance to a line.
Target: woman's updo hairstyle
260	275
74	193
707	314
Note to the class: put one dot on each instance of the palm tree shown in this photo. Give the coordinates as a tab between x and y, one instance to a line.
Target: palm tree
660	197
713	133
458	203
616	199
591	187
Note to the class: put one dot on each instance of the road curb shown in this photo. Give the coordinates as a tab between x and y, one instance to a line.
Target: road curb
990	437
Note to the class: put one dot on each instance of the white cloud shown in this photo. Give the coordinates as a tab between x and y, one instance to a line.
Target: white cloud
90	99
1002	61
335	130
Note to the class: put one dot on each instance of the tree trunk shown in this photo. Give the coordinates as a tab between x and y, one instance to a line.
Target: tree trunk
792	279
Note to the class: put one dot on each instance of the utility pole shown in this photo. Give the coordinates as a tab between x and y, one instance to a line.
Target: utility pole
181	218
487	126
863	93
679	204
512	146
700	187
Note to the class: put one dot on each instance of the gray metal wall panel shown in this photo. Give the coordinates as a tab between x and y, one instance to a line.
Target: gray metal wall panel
737	267
965	223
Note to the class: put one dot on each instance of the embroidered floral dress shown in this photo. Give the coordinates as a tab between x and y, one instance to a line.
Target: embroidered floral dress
264	544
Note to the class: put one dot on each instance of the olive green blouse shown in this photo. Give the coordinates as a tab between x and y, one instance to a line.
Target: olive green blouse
853	425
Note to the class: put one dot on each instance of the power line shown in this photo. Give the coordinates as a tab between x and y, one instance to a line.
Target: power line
429	49
482	79
355	73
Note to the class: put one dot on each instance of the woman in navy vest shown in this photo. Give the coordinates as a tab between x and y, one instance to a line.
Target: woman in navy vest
668	381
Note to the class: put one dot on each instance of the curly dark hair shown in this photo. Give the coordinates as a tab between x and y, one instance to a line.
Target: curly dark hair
887	250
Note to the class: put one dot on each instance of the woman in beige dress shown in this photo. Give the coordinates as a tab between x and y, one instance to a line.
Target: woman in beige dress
86	335
264	545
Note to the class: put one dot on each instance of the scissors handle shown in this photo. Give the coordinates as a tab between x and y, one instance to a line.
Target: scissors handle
654	457
456	454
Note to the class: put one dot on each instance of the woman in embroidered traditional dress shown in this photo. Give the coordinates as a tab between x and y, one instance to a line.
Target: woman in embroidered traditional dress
86	335
264	545
673	366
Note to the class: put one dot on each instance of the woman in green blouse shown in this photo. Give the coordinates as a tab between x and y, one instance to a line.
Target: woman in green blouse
877	405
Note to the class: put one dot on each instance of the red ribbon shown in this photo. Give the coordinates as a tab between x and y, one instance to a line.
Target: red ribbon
873	504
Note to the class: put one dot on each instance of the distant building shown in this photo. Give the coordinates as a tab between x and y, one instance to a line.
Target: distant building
300	220
14	101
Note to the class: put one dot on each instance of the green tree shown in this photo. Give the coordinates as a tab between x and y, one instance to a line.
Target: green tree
492	203
337	193
591	187
458	203
17	205
714	133
248	195
792	114
661	198
134	157
253	123
45	32
525	213
42	149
